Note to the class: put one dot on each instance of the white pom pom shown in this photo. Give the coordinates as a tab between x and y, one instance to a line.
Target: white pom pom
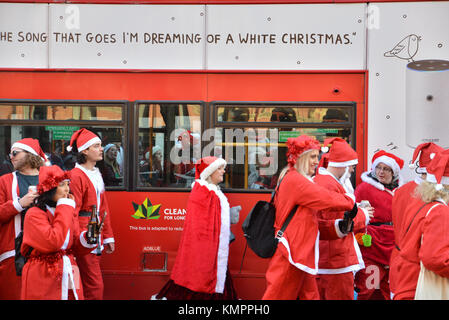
432	155
69	148
412	166
439	187
324	149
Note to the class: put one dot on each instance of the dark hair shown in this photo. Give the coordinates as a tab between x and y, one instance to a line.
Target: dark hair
80	157
46	199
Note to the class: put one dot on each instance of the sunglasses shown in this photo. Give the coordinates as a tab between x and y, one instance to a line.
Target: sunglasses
15	153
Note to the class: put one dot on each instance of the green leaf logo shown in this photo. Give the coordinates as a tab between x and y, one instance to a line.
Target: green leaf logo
146	210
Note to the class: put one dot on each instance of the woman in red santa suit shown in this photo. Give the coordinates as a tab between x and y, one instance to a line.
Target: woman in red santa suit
201	266
402	272
88	188
378	187
426	244
339	258
292	269
50	232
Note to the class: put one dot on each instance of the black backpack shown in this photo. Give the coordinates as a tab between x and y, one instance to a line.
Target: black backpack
258	227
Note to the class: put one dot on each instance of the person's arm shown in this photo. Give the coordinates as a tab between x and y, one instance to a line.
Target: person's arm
434	251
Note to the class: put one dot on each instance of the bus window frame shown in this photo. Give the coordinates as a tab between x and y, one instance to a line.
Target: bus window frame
351	123
125	104
134	157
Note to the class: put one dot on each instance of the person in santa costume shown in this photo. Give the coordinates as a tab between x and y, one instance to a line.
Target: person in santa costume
88	188
51	230
201	270
15	198
427	238
377	187
339	258
403	274
292	269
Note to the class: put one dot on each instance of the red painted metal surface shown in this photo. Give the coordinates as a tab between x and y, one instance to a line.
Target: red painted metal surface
142	243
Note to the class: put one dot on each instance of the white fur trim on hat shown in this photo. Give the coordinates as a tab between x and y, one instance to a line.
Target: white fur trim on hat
343	164
89	143
431	178
212	167
389	162
24	147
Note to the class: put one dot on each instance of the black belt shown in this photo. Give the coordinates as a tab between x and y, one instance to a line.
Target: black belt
381	223
84	214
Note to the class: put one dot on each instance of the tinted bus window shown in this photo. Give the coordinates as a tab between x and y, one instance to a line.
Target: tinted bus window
54	124
169	143
252	136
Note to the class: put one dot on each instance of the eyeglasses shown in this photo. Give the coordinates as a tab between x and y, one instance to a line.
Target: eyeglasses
384	169
15	153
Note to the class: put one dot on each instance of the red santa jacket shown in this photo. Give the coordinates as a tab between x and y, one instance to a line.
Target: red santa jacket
382	242
428	241
300	243
10	219
402	213
339	255
51	269
202	259
86	195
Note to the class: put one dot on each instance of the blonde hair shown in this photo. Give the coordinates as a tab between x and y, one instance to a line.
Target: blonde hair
427	192
301	165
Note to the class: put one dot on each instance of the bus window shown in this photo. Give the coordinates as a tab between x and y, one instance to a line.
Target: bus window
53	125
252	136
169	143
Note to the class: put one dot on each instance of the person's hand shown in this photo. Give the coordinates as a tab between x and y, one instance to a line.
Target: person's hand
109	247
235	214
370	211
28	199
353	211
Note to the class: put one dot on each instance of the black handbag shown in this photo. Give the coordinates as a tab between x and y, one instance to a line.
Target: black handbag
258	227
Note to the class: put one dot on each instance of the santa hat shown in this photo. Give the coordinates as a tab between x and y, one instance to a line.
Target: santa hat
207	165
84	139
300	145
394	162
438	169
50	177
422	156
32	146
341	154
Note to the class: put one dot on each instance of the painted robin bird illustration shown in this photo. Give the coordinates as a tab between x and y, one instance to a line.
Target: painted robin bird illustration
406	49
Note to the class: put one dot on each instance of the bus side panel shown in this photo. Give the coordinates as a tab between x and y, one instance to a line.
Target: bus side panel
146	247
102	86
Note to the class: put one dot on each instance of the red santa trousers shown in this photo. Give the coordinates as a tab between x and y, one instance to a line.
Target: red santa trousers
91	277
373	281
10	283
286	282
338	286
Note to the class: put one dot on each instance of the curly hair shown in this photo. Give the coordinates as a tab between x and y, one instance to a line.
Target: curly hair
34	161
427	192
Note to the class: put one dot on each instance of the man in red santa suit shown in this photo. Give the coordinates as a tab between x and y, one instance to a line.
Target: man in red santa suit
292	269
378	187
51	230
201	266
408	211
88	188
339	258
15	198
